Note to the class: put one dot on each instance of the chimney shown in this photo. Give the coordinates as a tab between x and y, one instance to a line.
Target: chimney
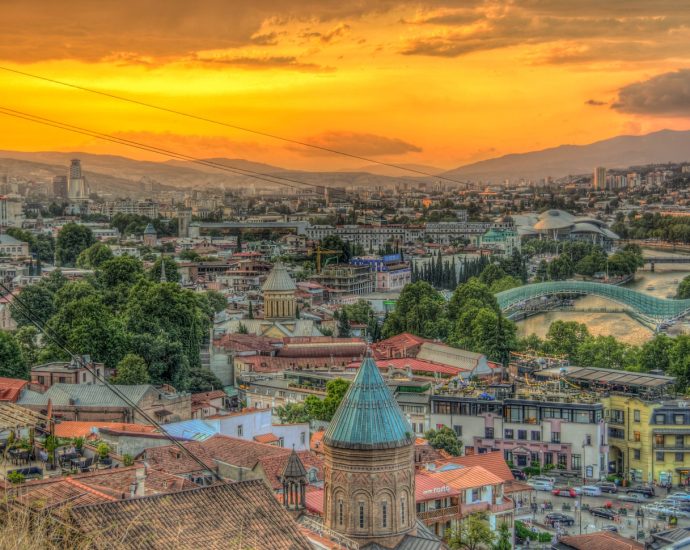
140	482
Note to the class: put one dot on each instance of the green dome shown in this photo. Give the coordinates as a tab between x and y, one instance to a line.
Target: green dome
369	417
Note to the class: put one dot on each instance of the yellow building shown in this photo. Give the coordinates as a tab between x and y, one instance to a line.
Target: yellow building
649	441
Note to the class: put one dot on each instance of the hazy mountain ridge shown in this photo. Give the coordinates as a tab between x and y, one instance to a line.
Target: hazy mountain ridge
618	152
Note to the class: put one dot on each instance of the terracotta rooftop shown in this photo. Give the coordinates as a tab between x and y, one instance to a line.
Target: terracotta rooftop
266	438
73	428
431	488
11	388
467	478
493	462
598	541
243	514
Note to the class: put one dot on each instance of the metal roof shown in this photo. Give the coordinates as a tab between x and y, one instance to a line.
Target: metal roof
609	376
279	280
369	416
13	416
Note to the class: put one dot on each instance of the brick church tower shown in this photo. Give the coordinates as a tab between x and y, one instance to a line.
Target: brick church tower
369	492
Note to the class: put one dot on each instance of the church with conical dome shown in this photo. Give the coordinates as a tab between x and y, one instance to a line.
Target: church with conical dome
369	475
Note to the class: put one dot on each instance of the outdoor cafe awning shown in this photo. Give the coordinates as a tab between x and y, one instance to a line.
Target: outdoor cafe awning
13	416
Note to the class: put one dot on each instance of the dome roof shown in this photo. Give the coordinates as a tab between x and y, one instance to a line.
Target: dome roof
279	280
586	227
369	417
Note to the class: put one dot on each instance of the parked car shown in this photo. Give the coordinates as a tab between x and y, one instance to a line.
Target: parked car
633	497
679	496
551	480
518	474
607	487
557	517
591	491
610	528
602	513
646	490
570	492
541	485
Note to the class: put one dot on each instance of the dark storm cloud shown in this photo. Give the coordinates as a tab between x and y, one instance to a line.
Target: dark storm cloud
666	94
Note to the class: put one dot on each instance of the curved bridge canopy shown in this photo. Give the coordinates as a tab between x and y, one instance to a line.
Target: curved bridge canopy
649	306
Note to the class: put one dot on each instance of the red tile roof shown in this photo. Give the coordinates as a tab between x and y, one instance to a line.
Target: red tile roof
600	541
11	389
431	488
419	365
467	478
397	346
493	462
73	428
314	501
266	438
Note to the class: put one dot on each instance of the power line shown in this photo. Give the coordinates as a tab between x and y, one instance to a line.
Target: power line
270	178
229	125
26	312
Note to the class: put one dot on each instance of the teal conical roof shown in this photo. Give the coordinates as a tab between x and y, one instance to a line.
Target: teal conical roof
369	416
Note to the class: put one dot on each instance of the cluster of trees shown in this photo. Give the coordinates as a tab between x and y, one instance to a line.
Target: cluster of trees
444	438
314	408
134	224
471	319
582	258
653	226
684	288
444	274
41	247
573	341
361	313
475	533
347	249
121	316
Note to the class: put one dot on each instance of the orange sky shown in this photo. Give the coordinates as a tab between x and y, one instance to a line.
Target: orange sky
435	83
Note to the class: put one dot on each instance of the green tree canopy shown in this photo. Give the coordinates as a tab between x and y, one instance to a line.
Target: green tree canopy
94	256
12	362
172	273
565	337
72	240
202	380
420	310
473	533
131	370
444	438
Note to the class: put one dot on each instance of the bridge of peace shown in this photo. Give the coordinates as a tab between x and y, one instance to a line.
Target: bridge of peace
649	309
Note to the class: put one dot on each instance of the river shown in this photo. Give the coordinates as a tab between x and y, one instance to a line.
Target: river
664	281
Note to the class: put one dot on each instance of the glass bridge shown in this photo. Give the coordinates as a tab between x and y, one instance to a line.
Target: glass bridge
651	307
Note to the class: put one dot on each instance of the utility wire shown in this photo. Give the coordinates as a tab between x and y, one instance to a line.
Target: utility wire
230	125
270	178
26	312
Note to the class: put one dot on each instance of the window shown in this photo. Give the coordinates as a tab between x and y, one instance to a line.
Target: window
562	461
659	439
476	495
659	419
522	434
83	377
509	434
240	430
660	456
680	457
361	515
588	439
281	442
555	437
302	438
577	462
340	511
617	433
548	458
617	416
679	418
489	433
636	436
636	415
636	454
402	511
535	435
456	429
384	514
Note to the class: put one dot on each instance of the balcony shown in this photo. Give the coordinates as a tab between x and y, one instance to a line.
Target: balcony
439	514
669	447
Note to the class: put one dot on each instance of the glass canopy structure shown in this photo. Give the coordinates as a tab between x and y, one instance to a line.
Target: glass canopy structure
657	309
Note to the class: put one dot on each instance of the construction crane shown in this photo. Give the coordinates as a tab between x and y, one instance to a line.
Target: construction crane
320	251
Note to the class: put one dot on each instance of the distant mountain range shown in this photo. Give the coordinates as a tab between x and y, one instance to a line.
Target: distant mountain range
121	176
618	152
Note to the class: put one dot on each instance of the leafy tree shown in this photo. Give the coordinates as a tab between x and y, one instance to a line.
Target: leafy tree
41	246
504	541
35	302
216	300
72	240
542	273
73	290
607	353
131	370
189	255
473	533
164	357
116	273
684	288
560	268
94	256
471	295
12	362
359	312
420	310
202	380
565	337
444	438
335	391
505	283
491	274
172	274
27	338
343	325
656	354
293	413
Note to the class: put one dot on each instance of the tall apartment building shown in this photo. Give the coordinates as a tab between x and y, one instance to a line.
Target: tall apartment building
60	187
344	279
599	178
76	183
